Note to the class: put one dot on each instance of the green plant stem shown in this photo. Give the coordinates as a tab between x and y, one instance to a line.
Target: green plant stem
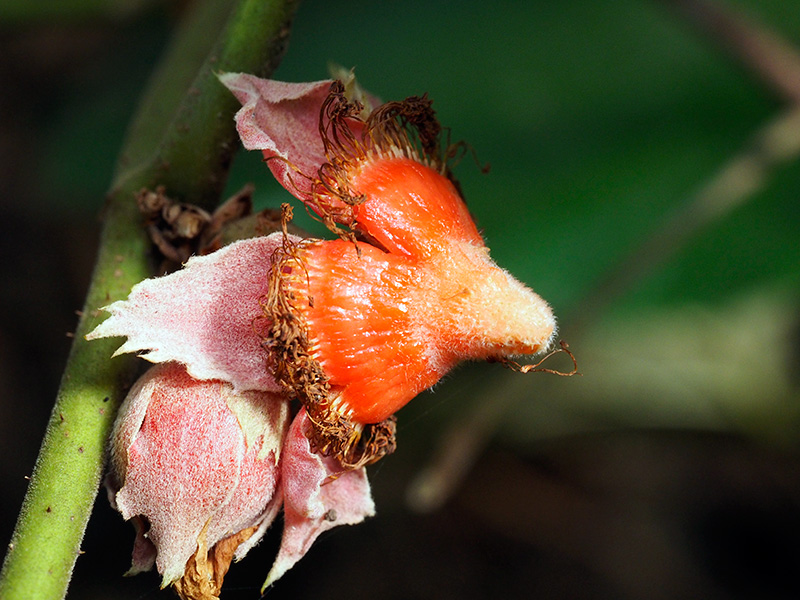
254	42
50	528
183	137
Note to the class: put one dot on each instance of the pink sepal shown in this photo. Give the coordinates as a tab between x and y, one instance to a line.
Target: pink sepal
317	496
282	120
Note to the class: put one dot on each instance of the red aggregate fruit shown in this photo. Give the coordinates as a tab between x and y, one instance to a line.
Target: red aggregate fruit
362	324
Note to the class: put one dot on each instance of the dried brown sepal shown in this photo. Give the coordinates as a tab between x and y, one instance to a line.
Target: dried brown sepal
302	376
180	230
353	445
206	569
537	367
259	224
233	209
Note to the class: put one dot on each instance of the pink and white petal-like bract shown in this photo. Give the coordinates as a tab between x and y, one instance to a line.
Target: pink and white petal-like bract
205	316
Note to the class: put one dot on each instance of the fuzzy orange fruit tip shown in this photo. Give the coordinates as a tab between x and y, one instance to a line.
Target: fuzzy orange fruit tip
362	324
386	325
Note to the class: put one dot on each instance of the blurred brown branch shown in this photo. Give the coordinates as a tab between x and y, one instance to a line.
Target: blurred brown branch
770	58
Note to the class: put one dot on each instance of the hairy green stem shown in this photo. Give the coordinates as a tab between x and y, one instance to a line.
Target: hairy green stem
50	528
183	137
254	42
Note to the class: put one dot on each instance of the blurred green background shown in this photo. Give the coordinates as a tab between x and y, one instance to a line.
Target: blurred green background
669	469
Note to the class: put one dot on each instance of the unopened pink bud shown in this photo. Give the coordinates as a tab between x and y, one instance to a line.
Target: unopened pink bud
196	467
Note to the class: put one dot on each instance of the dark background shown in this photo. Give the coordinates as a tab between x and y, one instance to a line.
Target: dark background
669	469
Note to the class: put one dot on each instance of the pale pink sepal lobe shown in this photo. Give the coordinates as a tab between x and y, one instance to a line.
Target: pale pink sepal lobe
282	120
205	316
317	496
144	554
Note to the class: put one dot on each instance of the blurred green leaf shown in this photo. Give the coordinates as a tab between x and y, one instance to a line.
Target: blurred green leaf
22	12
